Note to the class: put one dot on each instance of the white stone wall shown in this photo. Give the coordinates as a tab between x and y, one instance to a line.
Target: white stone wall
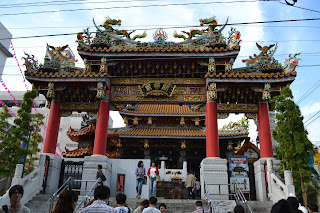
128	167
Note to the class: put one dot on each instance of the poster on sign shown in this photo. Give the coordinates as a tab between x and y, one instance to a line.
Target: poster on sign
120	182
239	173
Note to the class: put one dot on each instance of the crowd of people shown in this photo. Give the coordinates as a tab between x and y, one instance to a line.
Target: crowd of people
67	203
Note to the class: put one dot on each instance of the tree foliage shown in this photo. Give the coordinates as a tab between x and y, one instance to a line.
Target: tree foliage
294	148
21	131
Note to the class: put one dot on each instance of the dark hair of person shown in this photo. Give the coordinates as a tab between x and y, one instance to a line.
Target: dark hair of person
153	200
313	206
139	164
121	198
145	203
199	203
101	192
15	188
152	162
191	172
99	167
294	203
282	206
162	204
66	199
238	209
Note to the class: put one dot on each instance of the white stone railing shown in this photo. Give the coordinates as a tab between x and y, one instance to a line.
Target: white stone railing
278	190
32	183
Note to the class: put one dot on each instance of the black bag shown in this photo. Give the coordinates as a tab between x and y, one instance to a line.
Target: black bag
5	208
103	178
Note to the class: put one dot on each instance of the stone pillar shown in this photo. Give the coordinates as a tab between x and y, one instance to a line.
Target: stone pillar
212	137
53	128
53	174
260	179
264	131
213	171
100	141
90	171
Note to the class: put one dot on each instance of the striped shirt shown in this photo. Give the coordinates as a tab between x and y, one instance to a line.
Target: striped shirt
98	206
200	210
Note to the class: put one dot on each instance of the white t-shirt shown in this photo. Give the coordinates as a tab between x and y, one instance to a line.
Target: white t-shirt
122	209
151	209
23	209
153	173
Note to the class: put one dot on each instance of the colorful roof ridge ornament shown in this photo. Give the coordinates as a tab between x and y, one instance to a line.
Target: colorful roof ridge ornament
234	38
265	58
291	63
30	62
242	125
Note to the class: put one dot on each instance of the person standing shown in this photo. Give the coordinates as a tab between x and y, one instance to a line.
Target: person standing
199	207
152	207
100	174
121	204
101	196
312	207
144	204
153	171
67	202
190	184
140	172
15	195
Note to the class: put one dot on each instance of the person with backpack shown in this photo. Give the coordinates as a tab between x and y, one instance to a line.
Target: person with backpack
121	204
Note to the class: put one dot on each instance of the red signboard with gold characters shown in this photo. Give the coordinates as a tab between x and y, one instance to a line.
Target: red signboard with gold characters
120	182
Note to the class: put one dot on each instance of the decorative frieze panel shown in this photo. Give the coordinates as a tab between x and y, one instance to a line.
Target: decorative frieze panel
174	81
79	106
237	107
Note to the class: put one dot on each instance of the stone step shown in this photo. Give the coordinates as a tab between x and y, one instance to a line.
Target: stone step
260	206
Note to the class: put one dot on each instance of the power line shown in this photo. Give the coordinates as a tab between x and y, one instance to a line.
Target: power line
310	91
241	23
312	121
312	117
300	7
68	2
133	6
158	26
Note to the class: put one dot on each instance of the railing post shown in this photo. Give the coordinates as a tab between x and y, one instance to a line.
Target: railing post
17	175
269	172
290	191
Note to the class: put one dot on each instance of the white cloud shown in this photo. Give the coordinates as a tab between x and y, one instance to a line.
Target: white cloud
310	109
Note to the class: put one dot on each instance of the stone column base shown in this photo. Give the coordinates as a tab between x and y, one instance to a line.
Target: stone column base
53	173
214	172
260	179
90	171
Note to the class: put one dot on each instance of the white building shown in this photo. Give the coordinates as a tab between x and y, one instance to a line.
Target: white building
74	120
5	40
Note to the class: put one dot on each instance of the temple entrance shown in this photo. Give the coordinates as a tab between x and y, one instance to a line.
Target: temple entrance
169	94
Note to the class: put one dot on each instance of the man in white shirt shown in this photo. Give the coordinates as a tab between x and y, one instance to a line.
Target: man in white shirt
152	207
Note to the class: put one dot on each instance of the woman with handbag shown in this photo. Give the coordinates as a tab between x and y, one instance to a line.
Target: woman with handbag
100	174
153	172
140	172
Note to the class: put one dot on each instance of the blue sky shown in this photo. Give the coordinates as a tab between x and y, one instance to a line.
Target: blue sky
292	37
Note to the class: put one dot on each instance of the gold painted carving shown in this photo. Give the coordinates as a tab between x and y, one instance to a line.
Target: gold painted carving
146	143
157	89
195	98
149	120
119	90
182	122
222	115
266	95
79	106
212	92
237	107
196	90
251	116
65	113
128	81
51	91
211	65
100	90
183	144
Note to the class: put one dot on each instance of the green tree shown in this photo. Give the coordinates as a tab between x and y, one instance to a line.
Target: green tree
13	135
294	149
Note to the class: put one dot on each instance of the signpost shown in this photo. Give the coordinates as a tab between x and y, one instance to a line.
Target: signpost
239	171
120	182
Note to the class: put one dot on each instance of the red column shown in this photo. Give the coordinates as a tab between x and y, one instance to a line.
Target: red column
100	141
53	128
264	131
212	137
